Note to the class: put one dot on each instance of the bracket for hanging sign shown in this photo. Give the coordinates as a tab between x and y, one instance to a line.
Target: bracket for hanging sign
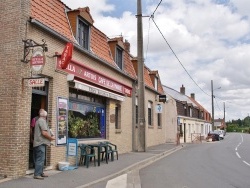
29	45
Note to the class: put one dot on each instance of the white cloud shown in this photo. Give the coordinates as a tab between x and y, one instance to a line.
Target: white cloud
211	40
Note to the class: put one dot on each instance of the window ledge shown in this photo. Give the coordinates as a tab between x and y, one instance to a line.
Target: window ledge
118	131
150	127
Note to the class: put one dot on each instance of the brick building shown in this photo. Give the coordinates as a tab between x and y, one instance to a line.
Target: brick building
98	85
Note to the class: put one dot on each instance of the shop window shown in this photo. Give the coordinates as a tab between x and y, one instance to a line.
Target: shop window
119	59
84	124
118	116
83	34
87	115
150	113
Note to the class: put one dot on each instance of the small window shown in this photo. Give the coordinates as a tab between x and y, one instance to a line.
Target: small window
150	113
190	112
119	59
156	83
83	34
159	119
117	116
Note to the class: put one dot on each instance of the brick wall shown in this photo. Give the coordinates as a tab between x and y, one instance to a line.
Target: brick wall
15	97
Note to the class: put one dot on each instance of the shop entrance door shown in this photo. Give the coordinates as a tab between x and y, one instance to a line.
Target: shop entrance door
38	101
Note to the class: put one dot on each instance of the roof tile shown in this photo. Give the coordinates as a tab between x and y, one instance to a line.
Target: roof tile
52	14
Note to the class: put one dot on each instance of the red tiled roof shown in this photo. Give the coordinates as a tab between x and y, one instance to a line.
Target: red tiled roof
147	78
99	46
200	107
160	88
52	14
128	66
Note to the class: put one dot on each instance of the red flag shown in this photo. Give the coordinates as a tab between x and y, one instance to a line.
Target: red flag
66	55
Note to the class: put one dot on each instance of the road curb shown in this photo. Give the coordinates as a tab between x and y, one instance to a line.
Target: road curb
137	166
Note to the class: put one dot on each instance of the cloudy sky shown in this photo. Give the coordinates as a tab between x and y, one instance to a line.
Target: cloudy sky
210	40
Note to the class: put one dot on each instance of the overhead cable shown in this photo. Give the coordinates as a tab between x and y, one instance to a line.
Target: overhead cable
177	57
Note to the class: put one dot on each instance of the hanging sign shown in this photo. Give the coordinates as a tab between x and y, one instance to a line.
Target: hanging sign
66	55
37	61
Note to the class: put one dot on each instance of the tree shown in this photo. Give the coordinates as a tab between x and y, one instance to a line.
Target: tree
246	122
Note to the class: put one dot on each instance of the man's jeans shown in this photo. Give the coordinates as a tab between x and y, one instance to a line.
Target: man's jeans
39	157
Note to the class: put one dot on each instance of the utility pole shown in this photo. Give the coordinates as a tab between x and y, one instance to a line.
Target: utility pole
224	115
141	87
212	90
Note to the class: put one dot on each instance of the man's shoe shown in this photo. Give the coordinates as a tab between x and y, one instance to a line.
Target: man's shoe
38	177
44	175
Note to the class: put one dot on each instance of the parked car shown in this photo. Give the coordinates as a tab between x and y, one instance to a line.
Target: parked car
224	132
215	136
220	132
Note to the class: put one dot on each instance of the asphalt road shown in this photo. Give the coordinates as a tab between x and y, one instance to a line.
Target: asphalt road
223	164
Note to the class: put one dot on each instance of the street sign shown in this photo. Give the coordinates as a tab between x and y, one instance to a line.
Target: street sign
158	108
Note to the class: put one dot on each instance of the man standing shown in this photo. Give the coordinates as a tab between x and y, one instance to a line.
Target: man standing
42	138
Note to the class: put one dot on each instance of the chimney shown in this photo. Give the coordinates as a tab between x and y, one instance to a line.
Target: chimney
127	46
182	90
193	96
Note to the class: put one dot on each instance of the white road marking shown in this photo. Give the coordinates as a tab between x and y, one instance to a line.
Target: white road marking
120	181
246	163
238	154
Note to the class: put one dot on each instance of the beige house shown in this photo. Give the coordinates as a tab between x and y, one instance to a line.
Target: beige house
193	121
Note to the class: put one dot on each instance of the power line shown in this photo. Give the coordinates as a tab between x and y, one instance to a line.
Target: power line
177	57
152	16
157	7
217	104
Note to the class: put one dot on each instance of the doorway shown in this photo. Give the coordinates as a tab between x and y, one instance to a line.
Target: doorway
38	101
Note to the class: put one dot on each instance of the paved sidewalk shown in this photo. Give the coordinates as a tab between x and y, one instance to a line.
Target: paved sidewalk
96	176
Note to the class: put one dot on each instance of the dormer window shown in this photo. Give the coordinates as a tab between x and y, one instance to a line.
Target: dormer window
119	57
190	112
83	34
156	83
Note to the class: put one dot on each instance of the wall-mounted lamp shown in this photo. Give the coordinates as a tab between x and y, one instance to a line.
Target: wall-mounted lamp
29	45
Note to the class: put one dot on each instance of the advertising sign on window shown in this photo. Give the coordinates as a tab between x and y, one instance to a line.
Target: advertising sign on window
62	121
